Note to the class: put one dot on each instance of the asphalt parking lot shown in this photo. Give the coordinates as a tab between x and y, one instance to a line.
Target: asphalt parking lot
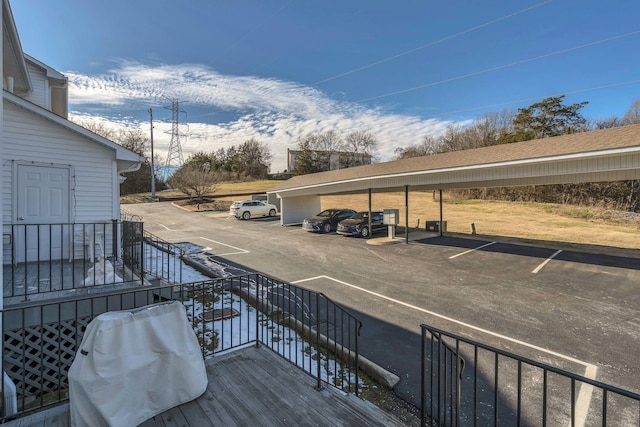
577	309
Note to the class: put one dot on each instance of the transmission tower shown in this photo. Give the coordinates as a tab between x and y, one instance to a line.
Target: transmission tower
174	158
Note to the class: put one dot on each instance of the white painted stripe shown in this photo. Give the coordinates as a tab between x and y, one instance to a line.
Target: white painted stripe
240	250
165	227
467	325
583	401
471	250
584	398
546	261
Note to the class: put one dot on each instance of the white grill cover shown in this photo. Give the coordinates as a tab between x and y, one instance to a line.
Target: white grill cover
133	365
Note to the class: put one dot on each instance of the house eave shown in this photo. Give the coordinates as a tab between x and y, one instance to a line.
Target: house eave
121	153
15	66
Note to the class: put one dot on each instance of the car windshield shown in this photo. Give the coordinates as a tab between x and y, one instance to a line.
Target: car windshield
328	213
360	215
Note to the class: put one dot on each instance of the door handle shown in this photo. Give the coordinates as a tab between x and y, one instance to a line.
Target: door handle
20	218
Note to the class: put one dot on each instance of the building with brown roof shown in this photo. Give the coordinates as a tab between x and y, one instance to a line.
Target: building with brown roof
597	156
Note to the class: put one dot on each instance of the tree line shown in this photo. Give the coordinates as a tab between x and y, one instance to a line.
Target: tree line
250	160
547	118
316	149
201	171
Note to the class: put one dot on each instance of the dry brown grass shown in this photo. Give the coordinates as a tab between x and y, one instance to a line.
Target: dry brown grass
223	188
537	222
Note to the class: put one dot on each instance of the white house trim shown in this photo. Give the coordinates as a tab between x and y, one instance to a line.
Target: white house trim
124	155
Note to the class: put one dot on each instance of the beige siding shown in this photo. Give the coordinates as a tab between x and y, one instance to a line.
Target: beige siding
40	94
30	138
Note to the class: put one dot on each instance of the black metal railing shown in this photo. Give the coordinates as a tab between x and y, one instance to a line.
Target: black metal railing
125	215
42	258
46	258
162	260
465	382
40	340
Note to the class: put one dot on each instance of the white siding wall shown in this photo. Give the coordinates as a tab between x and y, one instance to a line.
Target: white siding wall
27	137
296	209
40	94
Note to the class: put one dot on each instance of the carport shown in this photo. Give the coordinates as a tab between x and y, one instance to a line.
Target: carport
597	156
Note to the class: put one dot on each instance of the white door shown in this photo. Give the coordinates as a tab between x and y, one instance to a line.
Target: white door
42	199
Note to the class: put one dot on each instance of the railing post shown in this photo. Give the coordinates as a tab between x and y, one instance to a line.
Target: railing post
142	266
319	384
259	310
423	380
114	244
358	325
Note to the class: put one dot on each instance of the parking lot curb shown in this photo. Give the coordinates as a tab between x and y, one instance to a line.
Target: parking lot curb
381	241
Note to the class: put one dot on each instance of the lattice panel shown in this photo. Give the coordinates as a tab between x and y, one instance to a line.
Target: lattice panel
38	361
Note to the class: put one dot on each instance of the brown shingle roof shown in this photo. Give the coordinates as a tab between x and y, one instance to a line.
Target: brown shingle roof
585	142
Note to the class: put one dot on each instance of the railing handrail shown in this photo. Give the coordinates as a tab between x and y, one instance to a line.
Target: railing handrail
550	368
337	304
495	387
315	330
177	250
57	257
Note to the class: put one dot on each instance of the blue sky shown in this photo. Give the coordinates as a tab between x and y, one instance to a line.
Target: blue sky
276	70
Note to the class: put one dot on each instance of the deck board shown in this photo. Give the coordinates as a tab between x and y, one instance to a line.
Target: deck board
257	387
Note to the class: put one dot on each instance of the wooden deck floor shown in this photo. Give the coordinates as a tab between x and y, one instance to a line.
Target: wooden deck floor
256	387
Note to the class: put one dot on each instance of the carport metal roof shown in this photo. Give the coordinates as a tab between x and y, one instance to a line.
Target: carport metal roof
602	155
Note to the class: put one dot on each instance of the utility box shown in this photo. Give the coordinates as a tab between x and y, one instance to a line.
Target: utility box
435	226
390	216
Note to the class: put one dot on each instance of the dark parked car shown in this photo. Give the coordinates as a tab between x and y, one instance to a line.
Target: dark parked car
358	224
327	220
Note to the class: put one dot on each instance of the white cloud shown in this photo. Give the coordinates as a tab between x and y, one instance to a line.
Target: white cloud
273	111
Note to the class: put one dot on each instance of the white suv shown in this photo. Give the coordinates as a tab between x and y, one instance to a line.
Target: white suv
246	209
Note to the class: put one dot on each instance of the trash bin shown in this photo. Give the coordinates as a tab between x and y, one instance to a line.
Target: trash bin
434	226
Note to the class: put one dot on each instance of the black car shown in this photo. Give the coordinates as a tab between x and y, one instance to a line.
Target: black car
358	224
327	220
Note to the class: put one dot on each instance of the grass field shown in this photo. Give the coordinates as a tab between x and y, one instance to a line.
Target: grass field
539	223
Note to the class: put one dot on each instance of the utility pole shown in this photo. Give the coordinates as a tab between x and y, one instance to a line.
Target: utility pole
153	169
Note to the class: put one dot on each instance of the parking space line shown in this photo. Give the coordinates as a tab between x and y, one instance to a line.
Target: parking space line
240	251
165	227
471	250
583	399
546	261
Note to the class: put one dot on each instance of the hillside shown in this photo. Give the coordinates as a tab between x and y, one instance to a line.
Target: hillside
527	221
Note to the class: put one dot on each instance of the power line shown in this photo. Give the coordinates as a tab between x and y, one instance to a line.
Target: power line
500	67
433	43
537	98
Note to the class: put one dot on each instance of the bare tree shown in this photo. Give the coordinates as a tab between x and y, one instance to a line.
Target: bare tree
195	182
606	123
361	142
358	145
427	147
99	128
330	141
632	116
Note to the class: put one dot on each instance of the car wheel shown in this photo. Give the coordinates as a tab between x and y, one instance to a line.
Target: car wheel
364	232
272	212
326	228
246	215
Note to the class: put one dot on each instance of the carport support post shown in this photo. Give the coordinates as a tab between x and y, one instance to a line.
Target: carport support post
406	214
440	226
